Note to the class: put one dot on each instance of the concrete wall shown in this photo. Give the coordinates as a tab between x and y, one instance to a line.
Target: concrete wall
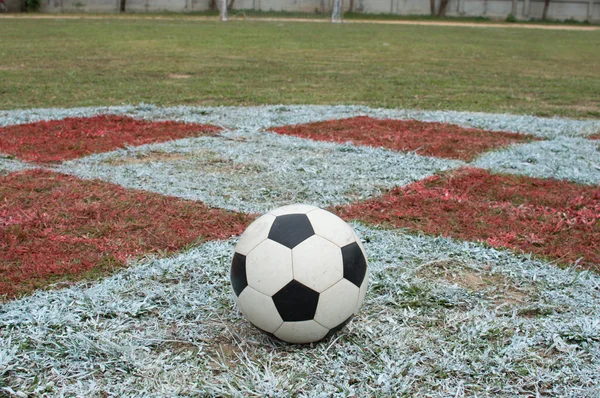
14	5
580	10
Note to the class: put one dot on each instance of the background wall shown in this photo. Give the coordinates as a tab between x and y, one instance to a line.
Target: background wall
14	5
580	10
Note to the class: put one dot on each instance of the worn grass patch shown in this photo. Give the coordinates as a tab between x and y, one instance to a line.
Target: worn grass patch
498	289
150	157
52	226
207	161
551	218
428	139
58	140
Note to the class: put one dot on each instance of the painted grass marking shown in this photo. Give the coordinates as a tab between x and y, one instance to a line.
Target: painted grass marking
551	218
59	140
570	158
254	172
169	327
54	226
427	139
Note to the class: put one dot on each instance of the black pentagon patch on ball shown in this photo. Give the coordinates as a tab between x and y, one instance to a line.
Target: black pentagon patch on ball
291	230
238	273
355	264
296	302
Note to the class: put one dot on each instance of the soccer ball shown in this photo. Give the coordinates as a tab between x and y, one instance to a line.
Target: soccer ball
298	273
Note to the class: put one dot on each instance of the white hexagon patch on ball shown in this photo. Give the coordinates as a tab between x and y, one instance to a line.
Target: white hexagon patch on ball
299	273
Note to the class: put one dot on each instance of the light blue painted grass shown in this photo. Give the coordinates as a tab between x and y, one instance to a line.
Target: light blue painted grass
8	165
23	116
573	159
277	115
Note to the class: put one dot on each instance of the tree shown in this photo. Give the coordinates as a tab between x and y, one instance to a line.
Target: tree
442	9
545	12
441	12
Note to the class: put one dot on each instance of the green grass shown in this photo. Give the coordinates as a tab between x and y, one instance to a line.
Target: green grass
110	61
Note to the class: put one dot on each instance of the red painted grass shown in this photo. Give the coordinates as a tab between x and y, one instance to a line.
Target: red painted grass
557	219
428	139
54	226
59	140
594	137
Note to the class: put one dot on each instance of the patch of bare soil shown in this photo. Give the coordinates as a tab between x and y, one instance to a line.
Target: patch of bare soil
178	76
495	287
205	160
153	156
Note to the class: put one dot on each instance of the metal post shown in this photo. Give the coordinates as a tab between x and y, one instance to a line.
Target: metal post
223	10
336	13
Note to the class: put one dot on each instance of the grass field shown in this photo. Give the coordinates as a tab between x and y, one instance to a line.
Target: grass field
118	223
63	63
